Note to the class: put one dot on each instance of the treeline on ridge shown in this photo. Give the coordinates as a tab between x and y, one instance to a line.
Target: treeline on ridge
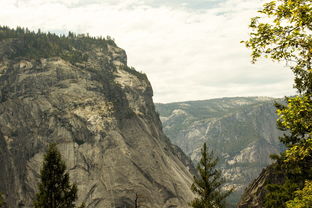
34	45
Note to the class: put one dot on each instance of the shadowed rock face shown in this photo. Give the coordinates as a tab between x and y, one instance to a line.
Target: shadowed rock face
254	194
101	115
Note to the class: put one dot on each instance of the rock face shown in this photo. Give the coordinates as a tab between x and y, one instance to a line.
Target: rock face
101	114
241	131
253	196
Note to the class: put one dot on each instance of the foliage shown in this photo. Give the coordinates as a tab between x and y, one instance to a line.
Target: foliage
299	152
132	70
296	161
303	197
285	34
296	118
278	194
55	190
208	185
36	45
293	167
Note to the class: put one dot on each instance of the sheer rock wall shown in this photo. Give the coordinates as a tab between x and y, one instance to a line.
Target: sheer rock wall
101	115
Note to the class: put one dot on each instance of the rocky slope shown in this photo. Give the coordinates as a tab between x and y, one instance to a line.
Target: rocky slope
253	196
241	131
100	113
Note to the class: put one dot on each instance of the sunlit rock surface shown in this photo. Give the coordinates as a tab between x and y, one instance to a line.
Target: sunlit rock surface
101	115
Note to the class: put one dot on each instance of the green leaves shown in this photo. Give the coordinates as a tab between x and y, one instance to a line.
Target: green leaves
299	152
303	197
297	118
278	194
283	33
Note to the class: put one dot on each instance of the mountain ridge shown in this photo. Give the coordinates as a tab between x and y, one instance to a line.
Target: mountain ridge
240	130
78	92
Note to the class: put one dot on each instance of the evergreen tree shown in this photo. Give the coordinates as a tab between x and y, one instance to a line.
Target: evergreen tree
207	186
303	197
55	190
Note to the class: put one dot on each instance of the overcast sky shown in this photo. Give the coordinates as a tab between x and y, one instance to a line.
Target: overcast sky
189	49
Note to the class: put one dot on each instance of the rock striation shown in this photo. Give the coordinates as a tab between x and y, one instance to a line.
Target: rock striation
241	131
254	194
101	114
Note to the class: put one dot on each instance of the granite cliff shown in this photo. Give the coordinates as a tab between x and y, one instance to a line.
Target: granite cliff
241	131
253	196
100	113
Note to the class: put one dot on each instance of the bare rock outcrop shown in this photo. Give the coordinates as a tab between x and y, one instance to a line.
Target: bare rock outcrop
254	194
101	114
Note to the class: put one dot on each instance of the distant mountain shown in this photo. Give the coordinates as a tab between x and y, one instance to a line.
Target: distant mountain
241	131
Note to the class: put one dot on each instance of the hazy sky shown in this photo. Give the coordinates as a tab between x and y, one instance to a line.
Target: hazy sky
189	49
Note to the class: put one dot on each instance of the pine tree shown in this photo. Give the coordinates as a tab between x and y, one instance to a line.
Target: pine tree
55	190
207	186
303	197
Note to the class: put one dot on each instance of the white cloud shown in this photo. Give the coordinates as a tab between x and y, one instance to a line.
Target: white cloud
187	53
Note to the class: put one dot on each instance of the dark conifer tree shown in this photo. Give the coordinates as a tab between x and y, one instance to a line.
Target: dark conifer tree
207	186
55	190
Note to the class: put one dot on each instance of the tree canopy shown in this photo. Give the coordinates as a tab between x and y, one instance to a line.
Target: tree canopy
303	198
296	118
284	33
36	45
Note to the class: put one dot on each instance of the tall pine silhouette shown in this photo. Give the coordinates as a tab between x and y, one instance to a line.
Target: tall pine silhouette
207	186
55	190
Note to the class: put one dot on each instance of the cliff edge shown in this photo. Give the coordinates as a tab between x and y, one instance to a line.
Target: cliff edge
99	111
